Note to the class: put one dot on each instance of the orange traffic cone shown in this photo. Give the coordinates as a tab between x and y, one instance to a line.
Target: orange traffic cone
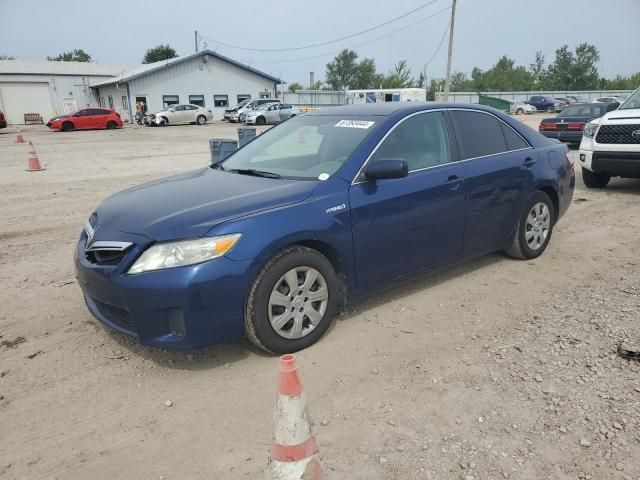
19	137
33	164
294	451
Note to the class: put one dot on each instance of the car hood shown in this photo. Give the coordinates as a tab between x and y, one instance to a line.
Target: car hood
190	204
626	114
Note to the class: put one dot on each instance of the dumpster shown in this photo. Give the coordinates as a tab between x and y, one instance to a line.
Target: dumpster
494	102
221	148
245	135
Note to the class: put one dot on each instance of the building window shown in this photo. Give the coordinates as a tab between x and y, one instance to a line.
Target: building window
265	94
221	100
242	98
110	101
168	100
196	100
102	104
125	102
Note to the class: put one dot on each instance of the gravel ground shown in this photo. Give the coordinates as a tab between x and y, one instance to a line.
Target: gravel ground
490	370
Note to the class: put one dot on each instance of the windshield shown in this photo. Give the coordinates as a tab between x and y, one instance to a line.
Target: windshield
582	111
632	102
304	147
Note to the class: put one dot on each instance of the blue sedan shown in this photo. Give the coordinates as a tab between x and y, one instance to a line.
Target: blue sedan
317	211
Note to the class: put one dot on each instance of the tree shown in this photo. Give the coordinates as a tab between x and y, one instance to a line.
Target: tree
537	71
560	72
77	55
7	57
342	71
399	77
295	86
159	53
421	81
366	76
585	67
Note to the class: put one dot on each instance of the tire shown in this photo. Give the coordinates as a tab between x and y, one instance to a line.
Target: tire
163	122
534	228
201	120
111	125
261	121
594	180
271	283
520	111
67	127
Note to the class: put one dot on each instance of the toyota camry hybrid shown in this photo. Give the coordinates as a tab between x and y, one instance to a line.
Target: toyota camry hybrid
321	209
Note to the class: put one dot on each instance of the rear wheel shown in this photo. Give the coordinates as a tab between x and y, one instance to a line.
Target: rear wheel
594	180
111	125
201	120
534	228
67	127
292	301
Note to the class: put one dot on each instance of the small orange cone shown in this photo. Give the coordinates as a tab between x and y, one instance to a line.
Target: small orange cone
19	137
294	451
33	164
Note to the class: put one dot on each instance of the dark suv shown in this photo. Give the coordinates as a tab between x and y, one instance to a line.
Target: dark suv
548	104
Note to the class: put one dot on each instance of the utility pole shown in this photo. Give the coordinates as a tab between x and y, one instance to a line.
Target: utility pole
447	83
195	32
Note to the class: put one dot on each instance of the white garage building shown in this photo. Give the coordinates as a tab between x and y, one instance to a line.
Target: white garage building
204	78
49	88
53	88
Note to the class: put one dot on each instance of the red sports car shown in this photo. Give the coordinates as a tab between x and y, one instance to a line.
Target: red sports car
87	119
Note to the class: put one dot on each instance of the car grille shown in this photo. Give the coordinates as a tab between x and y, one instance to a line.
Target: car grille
105	257
618	134
116	315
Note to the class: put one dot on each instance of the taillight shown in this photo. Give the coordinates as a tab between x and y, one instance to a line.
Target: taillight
568	159
547	126
576	126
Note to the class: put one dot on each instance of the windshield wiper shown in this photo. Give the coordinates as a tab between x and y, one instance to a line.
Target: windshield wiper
254	172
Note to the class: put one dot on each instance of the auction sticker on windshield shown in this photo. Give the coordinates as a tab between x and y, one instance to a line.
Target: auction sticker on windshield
354	124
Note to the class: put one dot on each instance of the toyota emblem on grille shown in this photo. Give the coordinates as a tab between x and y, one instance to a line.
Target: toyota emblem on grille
636	134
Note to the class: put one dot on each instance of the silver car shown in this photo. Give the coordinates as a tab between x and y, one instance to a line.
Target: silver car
518	107
186	113
269	113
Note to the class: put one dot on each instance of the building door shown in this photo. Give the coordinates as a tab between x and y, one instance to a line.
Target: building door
16	99
70	105
145	102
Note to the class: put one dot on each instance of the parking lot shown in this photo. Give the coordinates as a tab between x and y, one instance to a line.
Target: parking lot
493	369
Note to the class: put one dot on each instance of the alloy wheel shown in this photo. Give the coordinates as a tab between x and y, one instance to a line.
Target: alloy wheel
298	302
537	226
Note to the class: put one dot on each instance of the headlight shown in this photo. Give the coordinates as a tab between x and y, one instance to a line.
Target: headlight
590	129
183	253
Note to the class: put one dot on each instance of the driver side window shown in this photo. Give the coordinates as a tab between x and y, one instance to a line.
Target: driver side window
422	141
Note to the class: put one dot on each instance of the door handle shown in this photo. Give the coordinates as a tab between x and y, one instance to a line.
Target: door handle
453	182
529	162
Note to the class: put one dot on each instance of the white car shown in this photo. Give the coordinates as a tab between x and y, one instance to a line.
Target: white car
183	113
269	113
610	145
234	114
518	107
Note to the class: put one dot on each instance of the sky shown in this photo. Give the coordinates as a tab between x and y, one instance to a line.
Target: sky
119	32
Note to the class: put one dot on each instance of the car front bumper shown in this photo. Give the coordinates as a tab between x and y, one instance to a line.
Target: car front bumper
179	308
616	160
249	120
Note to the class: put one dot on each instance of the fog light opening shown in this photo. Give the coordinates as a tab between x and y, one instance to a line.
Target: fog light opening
176	323
583	157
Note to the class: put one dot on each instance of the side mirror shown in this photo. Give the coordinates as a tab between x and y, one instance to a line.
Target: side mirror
386	169
612	106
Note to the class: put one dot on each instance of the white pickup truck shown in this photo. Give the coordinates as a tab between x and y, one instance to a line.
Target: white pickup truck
610	145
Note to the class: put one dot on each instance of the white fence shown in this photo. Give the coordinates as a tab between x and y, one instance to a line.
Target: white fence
472	97
314	98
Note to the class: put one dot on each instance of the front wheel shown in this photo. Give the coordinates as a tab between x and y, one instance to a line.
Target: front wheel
261	120
520	111
292	301
67	126
534	228
551	109
594	180
201	120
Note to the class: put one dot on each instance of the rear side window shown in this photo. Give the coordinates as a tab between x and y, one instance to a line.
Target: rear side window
514	141
479	134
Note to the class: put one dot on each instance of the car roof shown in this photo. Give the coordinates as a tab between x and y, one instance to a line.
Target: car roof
389	108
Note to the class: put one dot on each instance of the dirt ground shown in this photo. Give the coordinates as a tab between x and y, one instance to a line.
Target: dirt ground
496	369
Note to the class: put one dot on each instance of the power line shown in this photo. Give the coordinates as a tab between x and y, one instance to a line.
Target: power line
363	43
444	35
375	27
